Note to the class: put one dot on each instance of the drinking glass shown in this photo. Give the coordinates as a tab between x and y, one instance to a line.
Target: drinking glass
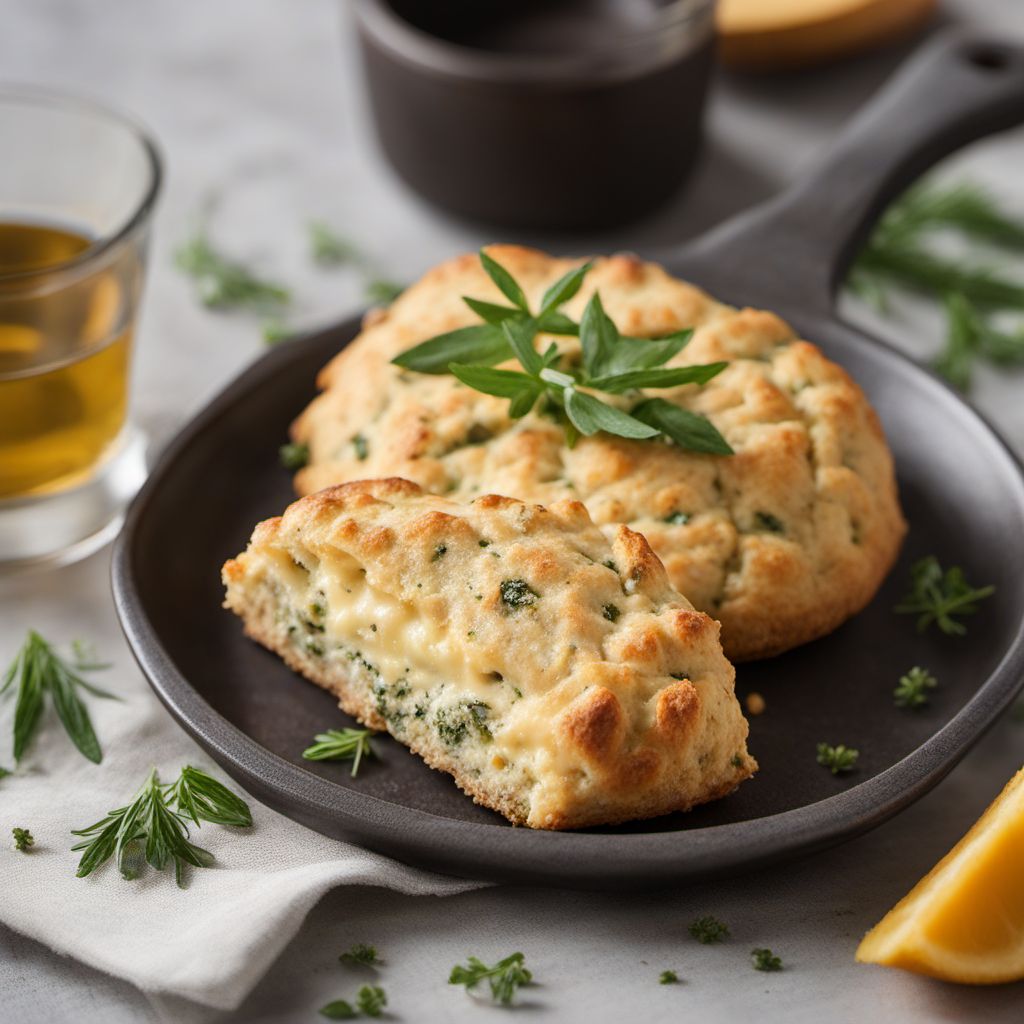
78	184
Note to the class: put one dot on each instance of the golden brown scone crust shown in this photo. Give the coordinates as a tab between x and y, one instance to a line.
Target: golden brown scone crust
782	542
588	692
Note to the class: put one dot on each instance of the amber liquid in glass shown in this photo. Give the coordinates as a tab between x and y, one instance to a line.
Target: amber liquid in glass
64	362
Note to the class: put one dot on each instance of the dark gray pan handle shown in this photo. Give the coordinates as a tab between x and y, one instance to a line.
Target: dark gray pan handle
797	247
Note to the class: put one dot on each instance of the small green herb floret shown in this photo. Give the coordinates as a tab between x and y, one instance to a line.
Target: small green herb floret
518	593
708	930
913	688
361	446
504	978
454	722
294	455
361	954
765	960
939	596
370	1000
22	839
668	978
837	759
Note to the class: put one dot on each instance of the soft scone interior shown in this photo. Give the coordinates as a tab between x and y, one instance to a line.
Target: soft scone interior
557	676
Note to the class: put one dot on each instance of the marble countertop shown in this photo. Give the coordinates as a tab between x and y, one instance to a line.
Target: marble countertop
257	104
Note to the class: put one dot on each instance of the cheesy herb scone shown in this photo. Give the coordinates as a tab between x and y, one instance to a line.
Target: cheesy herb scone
781	541
556	675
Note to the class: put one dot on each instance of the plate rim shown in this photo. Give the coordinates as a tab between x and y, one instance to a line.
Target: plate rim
500	852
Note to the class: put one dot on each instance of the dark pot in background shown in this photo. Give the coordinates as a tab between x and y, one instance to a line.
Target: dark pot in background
557	114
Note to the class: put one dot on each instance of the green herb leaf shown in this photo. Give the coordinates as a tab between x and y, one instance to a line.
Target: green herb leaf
380	292
150	830
668	978
765	960
361	955
520	335
962	338
341	745
505	281
484	344
708	930
687	429
564	288
913	688
22	839
517	593
371	1000
490	312
837	759
657	378
941	596
598	338
294	455
502	383
338	1009
329	249
557	323
39	670
589	415
505	977
227	284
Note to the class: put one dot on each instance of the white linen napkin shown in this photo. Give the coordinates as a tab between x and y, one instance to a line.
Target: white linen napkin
211	942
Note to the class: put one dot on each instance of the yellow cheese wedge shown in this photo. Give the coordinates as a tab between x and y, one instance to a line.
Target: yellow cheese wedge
964	921
762	35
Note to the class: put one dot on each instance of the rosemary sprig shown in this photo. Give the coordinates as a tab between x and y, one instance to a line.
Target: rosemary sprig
340	745
610	363
153	828
39	671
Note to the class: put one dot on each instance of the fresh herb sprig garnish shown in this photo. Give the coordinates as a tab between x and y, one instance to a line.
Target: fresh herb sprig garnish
941	596
23	840
838	758
900	252
913	688
361	955
610	363
224	283
39	671
708	930
370	1001
341	745
504	978
153	828
765	960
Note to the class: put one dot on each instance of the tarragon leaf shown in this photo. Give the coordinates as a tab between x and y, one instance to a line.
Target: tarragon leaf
484	344
564	288
502	383
687	429
657	378
589	415
505	281
520	334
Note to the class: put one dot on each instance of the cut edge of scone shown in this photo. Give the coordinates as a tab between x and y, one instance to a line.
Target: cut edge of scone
561	713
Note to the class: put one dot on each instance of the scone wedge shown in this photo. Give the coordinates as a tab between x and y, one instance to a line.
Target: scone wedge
555	674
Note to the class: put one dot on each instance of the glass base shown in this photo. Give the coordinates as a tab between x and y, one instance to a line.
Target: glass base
56	529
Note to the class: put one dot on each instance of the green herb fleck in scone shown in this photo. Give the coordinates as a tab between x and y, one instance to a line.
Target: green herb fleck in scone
512	673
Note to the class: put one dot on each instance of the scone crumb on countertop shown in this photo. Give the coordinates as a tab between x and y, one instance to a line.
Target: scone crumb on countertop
755	704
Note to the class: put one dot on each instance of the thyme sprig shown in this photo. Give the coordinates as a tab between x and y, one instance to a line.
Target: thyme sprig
153	828
224	283
610	363
837	759
39	671
914	687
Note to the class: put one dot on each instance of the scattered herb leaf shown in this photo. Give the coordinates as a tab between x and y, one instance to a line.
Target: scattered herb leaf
340	745
939	596
153	828
708	930
328	248
381	292
294	455
668	978
837	759
22	839
765	960
39	670
504	978
361	954
912	691
517	593
224	283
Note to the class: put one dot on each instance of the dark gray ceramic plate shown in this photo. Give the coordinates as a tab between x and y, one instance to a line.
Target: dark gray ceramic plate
962	491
